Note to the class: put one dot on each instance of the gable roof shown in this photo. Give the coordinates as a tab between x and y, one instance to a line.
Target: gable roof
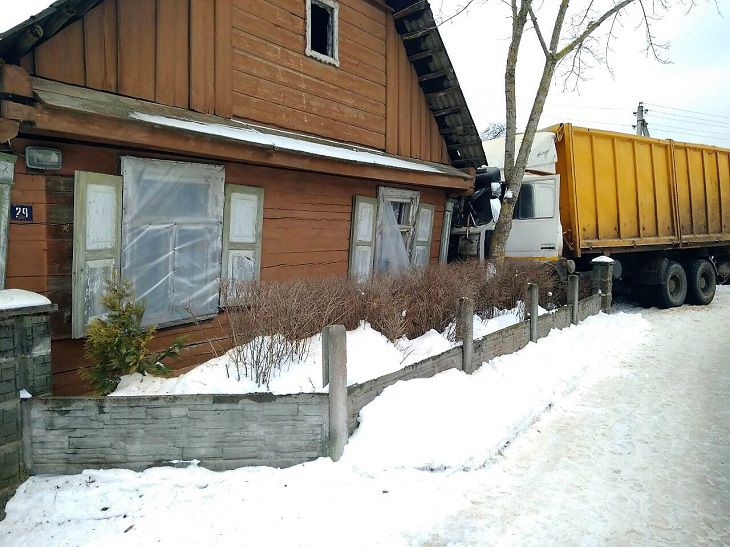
426	51
414	22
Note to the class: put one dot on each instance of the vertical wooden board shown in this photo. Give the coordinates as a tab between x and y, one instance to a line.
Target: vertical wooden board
661	161
723	174
136	25
100	44
626	186
404	103
683	192
697	191
445	158
173	67
392	49
415	115
585	196
605	188
712	190
202	56
223	58
27	62
645	175
425	128
62	56
436	141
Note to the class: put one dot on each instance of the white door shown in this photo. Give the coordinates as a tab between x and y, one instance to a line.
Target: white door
536	229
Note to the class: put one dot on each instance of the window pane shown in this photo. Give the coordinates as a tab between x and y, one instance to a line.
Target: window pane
544	200
321	29
525	207
172	236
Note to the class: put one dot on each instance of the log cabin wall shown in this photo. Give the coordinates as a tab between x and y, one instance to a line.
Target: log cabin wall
306	232
246	59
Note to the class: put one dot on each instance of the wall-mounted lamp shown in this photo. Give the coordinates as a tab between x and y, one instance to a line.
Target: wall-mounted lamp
38	157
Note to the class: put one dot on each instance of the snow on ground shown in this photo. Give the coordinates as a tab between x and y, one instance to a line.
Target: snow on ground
456	420
636	454
369	355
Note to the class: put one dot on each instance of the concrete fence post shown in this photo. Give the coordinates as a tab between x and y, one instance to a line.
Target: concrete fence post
334	373
465	333
573	298
533	301
603	280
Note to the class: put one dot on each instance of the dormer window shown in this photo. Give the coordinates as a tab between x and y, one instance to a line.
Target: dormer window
322	30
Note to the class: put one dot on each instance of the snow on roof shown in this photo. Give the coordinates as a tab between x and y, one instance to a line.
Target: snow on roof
603	258
291	142
13	299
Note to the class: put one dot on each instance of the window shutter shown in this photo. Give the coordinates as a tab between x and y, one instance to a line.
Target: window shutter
243	218
422	239
97	236
446	231
362	237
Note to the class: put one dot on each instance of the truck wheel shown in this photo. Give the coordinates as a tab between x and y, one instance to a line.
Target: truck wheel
701	282
673	291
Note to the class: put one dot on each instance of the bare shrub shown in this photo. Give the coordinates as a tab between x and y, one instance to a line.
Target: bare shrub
272	323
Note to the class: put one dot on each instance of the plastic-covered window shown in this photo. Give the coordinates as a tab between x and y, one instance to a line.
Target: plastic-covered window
172	226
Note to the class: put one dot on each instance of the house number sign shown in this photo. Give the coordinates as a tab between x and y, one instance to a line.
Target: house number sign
22	213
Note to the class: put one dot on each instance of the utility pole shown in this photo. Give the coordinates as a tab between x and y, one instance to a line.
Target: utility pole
642	128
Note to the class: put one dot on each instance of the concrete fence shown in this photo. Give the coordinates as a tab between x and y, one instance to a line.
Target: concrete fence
25	364
46	434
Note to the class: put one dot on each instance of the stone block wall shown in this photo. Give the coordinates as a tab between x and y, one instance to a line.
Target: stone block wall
504	341
25	363
589	306
69	434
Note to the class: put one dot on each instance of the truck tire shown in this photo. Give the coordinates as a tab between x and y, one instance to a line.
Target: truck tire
701	282
673	289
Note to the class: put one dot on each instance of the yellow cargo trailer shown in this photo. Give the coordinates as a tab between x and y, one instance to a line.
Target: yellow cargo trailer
660	208
621	193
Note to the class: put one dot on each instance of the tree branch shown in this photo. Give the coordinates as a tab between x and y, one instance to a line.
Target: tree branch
536	26
592	26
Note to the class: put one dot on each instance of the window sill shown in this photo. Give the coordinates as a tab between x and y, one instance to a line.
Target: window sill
322	58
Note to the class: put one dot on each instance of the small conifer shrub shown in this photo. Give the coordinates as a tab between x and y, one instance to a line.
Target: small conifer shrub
117	344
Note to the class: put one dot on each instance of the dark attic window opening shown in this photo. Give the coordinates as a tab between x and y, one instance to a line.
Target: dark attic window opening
323	31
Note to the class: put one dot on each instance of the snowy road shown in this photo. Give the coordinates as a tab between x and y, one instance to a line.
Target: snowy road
639	453
642	457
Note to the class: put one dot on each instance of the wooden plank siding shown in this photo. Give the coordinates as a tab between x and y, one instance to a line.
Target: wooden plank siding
306	233
411	129
246	59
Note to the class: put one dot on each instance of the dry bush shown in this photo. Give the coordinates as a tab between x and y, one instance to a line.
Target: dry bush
271	323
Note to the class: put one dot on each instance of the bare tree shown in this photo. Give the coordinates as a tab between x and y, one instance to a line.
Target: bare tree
580	43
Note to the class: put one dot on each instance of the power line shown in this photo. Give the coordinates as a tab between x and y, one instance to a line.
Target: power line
690	111
710	133
687	119
673	135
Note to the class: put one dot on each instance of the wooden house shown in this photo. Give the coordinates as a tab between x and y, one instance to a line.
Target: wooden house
184	141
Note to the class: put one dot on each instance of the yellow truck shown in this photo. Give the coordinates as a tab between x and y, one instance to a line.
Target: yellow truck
659	208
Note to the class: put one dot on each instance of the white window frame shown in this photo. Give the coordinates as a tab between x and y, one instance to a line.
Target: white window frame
335	8
386	195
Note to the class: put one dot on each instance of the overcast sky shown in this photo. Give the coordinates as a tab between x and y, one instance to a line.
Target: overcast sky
688	98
